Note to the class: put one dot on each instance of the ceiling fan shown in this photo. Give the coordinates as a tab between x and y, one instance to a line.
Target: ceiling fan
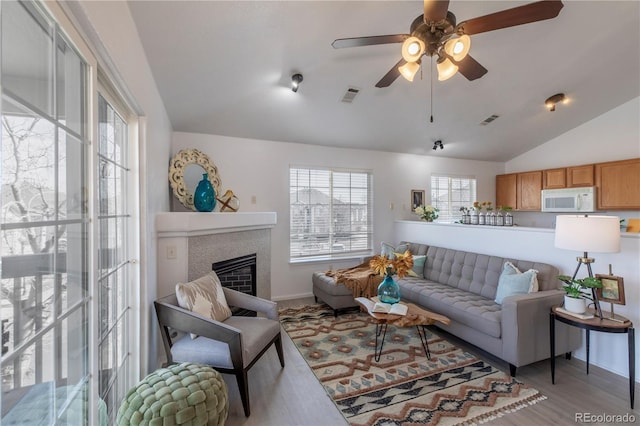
435	33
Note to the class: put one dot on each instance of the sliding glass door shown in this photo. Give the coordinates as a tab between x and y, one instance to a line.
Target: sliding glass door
44	236
69	283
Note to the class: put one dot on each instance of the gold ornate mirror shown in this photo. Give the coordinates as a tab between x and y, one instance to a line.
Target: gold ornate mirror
186	164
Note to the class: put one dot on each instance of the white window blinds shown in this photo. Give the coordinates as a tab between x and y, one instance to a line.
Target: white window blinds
449	193
330	212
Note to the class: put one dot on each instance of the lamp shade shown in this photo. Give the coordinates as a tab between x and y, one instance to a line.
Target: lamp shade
409	70
446	69
597	234
412	49
458	48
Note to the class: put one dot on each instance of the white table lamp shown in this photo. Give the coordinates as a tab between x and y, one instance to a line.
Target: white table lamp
599	234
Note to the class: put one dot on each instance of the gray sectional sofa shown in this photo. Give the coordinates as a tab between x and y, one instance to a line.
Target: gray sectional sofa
462	286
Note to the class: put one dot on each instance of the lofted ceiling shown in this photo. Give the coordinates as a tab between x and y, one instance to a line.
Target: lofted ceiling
225	67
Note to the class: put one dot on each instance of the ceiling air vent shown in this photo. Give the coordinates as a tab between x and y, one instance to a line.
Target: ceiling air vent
350	95
489	119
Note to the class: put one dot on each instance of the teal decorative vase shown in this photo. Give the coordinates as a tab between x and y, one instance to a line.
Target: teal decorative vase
204	198
389	290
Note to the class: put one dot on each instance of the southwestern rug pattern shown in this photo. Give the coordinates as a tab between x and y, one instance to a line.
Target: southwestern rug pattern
403	388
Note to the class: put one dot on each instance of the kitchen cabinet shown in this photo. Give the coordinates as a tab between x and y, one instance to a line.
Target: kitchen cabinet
618	185
522	191
579	176
554	178
568	177
506	190
529	191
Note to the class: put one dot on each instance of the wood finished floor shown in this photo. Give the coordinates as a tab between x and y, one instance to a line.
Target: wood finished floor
293	396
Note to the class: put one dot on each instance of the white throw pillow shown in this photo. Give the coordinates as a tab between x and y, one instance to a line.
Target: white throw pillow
389	250
205	297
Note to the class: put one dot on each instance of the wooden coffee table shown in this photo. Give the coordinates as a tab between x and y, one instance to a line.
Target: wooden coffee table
415	316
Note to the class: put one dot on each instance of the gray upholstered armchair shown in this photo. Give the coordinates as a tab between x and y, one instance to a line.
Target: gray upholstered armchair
231	347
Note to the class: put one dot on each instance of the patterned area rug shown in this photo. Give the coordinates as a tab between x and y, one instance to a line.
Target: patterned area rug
403	388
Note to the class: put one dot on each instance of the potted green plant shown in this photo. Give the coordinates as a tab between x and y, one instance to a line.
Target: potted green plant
575	298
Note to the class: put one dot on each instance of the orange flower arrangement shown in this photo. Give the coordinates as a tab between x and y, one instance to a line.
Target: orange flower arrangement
401	264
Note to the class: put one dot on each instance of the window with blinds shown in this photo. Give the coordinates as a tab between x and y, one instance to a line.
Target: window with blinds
329	212
449	193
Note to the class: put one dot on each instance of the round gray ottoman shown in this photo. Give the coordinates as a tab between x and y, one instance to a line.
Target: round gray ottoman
186	393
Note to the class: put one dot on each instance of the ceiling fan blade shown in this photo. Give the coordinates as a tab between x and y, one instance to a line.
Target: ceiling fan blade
391	76
368	41
435	10
470	68
526	14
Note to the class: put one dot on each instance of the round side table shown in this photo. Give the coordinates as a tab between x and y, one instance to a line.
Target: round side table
605	325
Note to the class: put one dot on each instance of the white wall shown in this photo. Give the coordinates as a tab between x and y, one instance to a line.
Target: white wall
261	168
615	135
115	39
608	351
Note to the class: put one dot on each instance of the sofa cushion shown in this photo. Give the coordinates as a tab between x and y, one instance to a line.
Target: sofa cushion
472	310
472	272
513	281
256	333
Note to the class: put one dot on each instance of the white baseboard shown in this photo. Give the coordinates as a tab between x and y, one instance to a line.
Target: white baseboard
291	297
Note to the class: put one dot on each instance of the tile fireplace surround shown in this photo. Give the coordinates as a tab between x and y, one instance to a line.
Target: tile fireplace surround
188	244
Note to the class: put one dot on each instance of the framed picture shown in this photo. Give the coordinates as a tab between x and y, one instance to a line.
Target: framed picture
612	290
417	198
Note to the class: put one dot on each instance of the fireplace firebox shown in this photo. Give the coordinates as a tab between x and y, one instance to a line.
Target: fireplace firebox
238	274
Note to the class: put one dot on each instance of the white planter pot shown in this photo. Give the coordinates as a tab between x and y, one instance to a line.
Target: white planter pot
571	304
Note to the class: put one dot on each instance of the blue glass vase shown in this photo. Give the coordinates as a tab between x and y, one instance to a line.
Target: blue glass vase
204	198
389	290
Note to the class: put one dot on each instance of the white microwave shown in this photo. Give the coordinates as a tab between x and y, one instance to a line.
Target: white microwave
569	199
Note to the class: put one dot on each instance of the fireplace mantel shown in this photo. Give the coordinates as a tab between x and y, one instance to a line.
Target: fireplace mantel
193	224
189	242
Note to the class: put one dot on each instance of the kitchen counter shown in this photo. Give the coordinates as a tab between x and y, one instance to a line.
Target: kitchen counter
485	228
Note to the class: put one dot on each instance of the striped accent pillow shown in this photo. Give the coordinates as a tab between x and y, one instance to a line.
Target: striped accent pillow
205	297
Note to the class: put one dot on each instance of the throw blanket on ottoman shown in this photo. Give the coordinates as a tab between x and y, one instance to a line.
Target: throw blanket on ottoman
361	280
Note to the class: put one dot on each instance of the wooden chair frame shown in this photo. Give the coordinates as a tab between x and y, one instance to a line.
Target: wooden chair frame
173	317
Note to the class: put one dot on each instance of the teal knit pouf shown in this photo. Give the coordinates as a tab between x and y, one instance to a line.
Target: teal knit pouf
181	394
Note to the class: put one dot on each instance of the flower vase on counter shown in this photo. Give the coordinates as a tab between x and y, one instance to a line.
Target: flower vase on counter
491	218
427	213
482	220
465	219
474	218
499	219
508	219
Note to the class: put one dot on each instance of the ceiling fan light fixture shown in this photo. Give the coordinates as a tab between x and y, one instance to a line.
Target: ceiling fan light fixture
458	48
446	69
412	49
409	70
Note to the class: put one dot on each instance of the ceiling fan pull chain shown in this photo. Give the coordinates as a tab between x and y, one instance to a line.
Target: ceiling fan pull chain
431	91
